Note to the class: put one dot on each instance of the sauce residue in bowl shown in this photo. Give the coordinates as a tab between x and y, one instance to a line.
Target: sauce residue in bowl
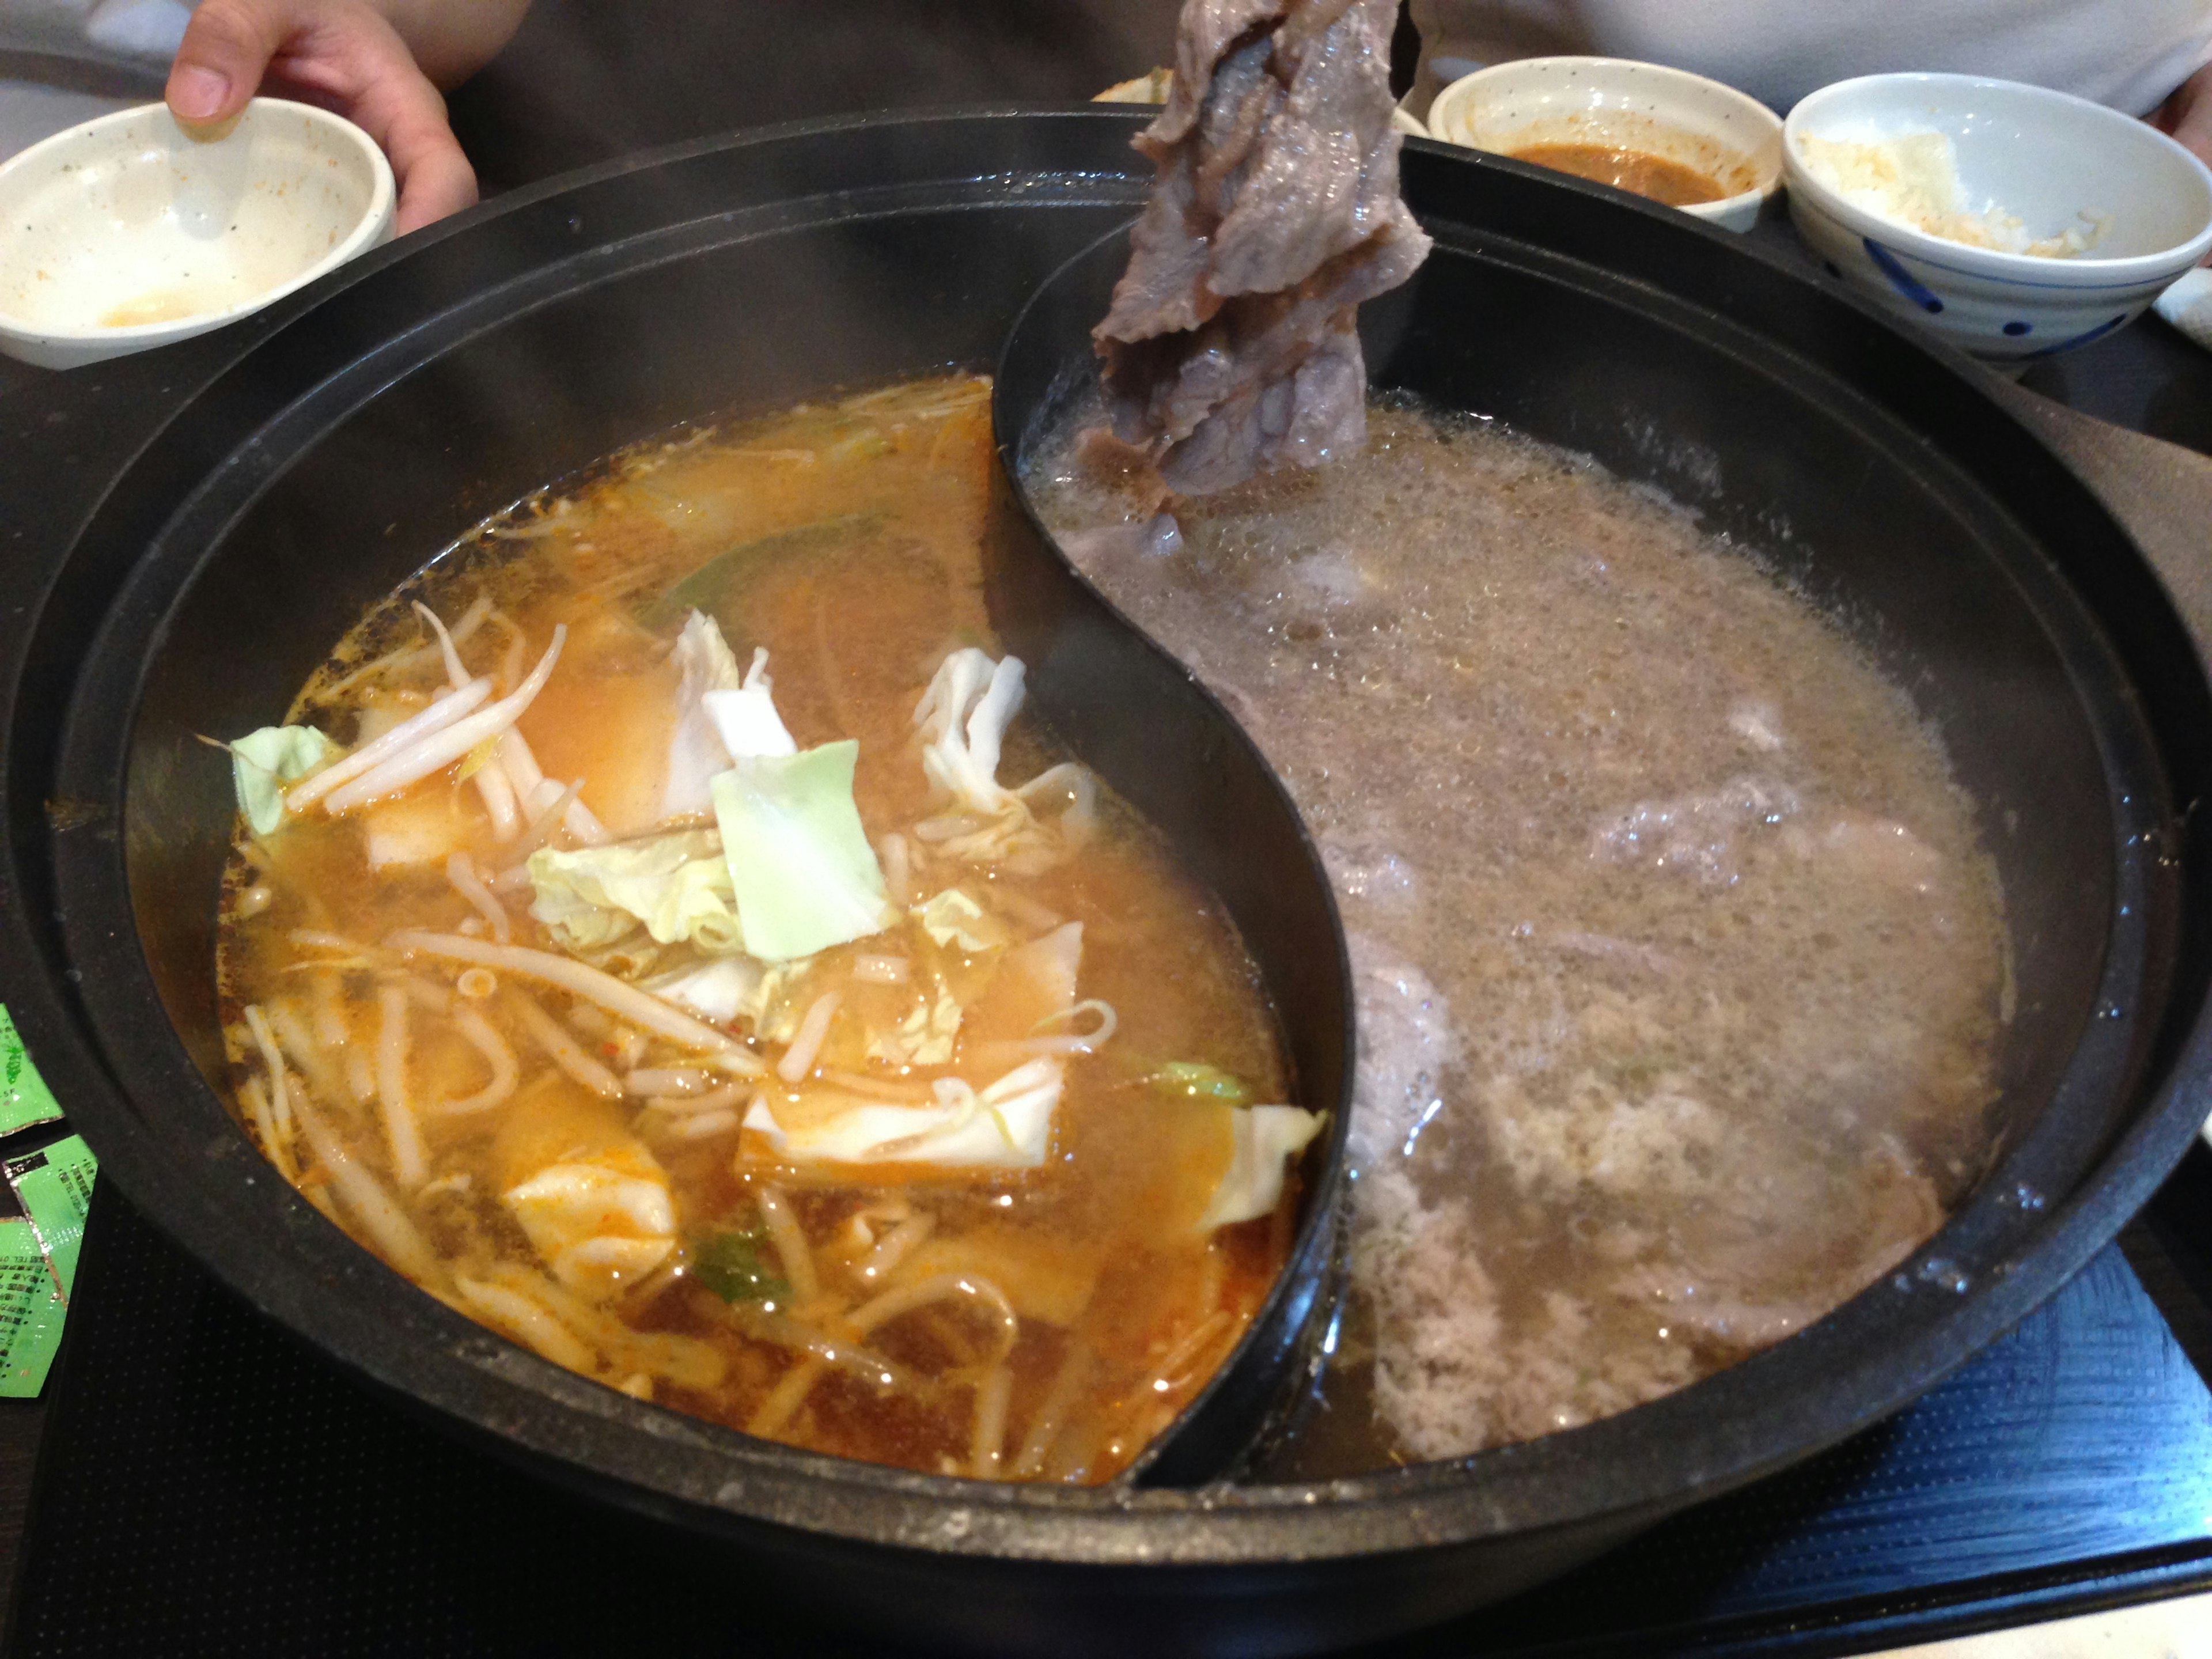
163	305
1670	184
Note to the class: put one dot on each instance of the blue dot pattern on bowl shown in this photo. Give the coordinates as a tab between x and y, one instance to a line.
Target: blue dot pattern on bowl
2096	333
2017	328
1900	278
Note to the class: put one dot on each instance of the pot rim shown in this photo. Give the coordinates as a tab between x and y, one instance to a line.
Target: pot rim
1716	1433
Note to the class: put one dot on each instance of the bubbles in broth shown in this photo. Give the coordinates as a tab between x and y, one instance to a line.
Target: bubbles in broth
1680	967
721	1027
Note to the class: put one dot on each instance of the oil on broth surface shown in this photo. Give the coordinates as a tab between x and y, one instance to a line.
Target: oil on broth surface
664	1230
1679	964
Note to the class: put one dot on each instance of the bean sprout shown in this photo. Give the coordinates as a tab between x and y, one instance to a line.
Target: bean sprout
491	780
941	1288
790	1240
438	717
529	1324
714	1101
478	1031
986	1442
666	1080
257	1105
788	1394
562	1050
799	1059
662	1018
403	1140
442	747
280	1097
893	1248
461	870
364	1195
1059	1396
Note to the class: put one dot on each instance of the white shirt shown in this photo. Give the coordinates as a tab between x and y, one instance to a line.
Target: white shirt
2129	54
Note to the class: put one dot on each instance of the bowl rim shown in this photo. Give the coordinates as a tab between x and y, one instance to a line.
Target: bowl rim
1765	120
1963	258
375	219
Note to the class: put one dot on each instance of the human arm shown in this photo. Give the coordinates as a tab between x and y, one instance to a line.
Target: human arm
2186	114
379	63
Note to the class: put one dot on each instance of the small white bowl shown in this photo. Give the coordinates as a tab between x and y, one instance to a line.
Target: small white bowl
2043	156
127	232
1729	137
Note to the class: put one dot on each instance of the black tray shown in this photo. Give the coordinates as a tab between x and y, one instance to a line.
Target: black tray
207	1485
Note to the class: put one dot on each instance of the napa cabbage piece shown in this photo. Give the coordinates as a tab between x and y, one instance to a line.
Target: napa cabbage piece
696	753
745	715
722	714
262	762
805	876
590	1196
955	921
678	887
925	1034
1005	1126
962	717
1264	1140
721	990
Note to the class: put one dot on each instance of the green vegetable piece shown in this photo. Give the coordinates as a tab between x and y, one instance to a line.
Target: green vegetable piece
705	586
804	875
262	762
1195	1080
733	1266
678	885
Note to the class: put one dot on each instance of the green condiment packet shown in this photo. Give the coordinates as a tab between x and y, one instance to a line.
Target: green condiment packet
54	1186
32	1305
24	1097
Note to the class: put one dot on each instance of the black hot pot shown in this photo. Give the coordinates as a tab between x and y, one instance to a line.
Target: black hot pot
296	469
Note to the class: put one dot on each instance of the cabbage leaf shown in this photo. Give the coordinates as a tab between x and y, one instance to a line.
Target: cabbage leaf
695	748
262	762
1265	1139
1004	1126
677	886
954	920
962	719
804	874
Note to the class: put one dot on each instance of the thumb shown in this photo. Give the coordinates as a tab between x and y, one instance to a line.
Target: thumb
226	47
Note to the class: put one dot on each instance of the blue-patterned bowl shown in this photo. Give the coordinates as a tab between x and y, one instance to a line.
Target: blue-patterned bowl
2041	156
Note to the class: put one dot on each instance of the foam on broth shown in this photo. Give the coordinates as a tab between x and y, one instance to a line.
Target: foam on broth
1679	966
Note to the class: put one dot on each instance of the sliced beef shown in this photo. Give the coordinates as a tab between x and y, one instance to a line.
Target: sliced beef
1229	348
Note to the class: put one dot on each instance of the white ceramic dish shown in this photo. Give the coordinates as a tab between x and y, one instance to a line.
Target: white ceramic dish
127	232
1680	117
2043	156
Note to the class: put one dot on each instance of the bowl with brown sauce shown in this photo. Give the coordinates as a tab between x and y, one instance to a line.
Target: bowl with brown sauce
1666	135
1978	750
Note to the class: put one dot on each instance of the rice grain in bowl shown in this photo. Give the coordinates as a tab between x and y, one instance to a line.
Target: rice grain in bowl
2138	204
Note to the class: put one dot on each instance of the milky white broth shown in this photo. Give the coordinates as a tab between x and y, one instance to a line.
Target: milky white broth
1680	967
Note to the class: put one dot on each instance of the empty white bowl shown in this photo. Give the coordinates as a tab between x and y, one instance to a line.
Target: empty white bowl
2042	155
127	232
1730	137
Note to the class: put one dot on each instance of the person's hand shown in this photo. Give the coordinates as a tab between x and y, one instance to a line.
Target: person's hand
343	55
2186	115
